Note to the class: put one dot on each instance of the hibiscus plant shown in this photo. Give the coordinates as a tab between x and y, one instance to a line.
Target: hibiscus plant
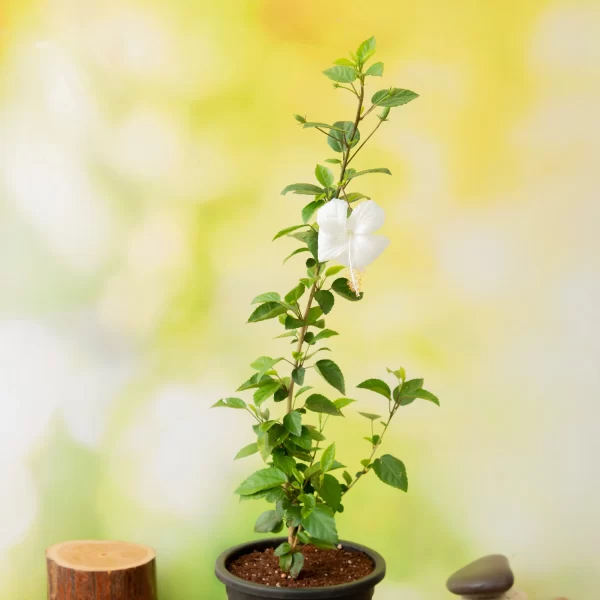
337	226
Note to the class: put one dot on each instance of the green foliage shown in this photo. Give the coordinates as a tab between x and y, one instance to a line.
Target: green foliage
306	189
367	171
341	74
288	421
320	404
341	287
377	385
366	50
324	176
293	422
331	373
375	70
230	403
393	97
268	310
248	450
342	138
320	524
264	479
391	471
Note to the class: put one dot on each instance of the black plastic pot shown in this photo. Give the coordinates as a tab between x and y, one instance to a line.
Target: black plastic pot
240	589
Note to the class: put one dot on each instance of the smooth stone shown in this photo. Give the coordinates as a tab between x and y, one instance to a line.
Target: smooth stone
487	577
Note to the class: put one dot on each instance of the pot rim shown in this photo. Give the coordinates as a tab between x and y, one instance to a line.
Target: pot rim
265	591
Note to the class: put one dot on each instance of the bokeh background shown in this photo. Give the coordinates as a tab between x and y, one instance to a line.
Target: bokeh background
143	147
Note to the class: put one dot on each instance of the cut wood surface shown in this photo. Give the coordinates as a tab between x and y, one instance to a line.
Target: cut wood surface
101	570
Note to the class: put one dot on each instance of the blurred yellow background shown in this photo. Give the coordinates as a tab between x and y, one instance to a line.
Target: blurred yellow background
143	146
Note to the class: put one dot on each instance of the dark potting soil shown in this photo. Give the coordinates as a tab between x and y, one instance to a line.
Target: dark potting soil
321	568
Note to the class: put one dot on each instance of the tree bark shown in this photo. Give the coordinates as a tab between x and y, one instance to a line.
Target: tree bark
100	570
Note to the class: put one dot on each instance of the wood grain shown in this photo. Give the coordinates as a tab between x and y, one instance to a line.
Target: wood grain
101	570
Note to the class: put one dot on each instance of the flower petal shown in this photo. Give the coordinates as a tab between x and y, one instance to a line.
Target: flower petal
367	217
365	248
332	217
332	246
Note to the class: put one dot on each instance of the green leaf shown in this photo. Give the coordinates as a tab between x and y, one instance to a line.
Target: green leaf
265	391
248	450
303	389
295	294
297	564
327	458
333	161
268	310
366	50
331	491
299	118
304	440
391	471
311	124
313	315
425	395
345	62
366	171
326	333
376	385
309	502
284	462
375	70
407	390
320	524
297	251
334	270
264	363
266	297
298	375
254	382
293	422
280	394
331	373
325	300
370	416
321	404
324	176
399	373
341	74
312	241
393	97
287	230
310	209
282	549
284	335
264	479
347	477
338	137
269	522
285	562
317	436
355	196
306	189
230	403
343	402
341	287
293	323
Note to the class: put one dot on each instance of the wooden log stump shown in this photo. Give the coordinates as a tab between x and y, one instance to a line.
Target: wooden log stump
100	570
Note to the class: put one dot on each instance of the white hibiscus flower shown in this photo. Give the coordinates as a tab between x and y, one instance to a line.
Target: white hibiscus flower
351	241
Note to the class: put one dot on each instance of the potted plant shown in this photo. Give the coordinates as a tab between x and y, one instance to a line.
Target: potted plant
303	478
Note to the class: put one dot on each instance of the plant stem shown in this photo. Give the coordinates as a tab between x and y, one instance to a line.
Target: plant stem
361	97
301	336
368	138
375	448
